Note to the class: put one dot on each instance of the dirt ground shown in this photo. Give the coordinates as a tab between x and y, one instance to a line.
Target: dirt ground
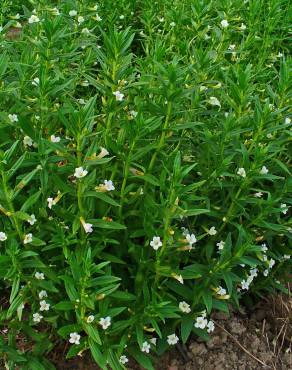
261	339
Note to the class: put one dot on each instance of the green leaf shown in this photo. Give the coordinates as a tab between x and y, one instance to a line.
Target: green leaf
92	332
101	196
187	325
97	355
110	225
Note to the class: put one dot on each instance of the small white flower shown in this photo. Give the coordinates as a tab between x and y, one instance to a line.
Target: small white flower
43	294
156	243
254	272
39	275
87	227
33	19
85	31
172	339
266	273
74	338
97	18
241	172
179	278
90	319
119	96
201	322
103	153
80	172
231	47
284	208
271	263
191	239
224	23
264	248
212	231
44	306
210	326
264	170
121	16
84	83
259	194
31	220
81	101
27	141
13	117
80	19
55	11
145	347
214	101
287	120
105	322
245	284
184	307
73	13
51	202
37	317
3	236
108	185
124	359
153	341
221	291
220	245
35	81
242	27
55	139
172	24
286	256
27	238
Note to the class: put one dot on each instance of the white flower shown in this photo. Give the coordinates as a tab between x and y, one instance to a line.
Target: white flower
153	341
108	185
55	139
13	117
51	202
214	101
35	81
73	13
264	248
179	278
27	141
44	306
103	153
266	273
156	243
210	326
241	172
242	27
221	291
259	194
253	272
220	245
80	172
245	284
133	114
90	319
172	339
284	208
97	18
271	263
80	19
105	322
43	294
264	170
74	338
287	120
31	220
231	47
37	317
145	347
121	16
119	96
172	24
201	322
184	307
39	275
81	101
27	238
87	227
55	11
286	256
224	23
124	359
33	19
85	31
3	236
191	239
212	231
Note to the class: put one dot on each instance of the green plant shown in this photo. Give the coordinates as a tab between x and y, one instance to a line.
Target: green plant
144	171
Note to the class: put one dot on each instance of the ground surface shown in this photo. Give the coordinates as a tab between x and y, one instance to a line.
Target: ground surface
259	339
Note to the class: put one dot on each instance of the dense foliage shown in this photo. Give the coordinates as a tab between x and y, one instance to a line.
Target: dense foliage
144	171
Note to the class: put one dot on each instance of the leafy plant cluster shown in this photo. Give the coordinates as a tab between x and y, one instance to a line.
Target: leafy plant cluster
145	171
